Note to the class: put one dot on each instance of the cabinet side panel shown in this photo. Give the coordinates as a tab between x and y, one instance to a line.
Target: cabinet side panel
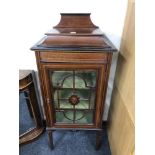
42	86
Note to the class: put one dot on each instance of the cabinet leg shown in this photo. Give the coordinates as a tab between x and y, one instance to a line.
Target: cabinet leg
50	139
98	139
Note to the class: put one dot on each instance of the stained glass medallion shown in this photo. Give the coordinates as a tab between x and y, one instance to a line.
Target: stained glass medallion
74	95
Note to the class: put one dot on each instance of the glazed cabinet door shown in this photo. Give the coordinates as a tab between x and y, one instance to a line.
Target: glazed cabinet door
74	94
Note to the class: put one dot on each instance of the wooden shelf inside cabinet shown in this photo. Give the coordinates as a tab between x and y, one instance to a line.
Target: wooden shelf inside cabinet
73	61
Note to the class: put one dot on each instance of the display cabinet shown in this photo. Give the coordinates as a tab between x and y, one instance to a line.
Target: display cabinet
73	61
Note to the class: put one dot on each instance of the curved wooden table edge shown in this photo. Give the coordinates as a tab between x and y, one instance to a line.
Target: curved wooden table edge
31	135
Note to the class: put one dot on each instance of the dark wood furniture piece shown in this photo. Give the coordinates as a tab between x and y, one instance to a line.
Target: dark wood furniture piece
73	61
26	85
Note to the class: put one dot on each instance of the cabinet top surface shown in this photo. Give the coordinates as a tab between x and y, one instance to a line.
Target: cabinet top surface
74	32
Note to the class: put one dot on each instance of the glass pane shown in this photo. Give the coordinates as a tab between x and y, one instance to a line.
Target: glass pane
63	93
88	76
58	78
74	95
81	117
87	119
61	118
79	82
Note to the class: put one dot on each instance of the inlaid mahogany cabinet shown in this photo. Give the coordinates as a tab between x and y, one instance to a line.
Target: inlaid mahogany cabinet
73	61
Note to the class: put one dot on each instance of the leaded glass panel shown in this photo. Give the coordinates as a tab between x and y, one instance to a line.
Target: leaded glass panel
74	95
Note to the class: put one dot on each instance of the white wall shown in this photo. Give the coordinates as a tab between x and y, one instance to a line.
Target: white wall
37	17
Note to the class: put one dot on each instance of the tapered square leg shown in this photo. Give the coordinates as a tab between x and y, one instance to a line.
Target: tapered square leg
98	139
50	139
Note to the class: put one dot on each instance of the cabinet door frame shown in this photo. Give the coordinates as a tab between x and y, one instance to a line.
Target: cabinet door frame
101	68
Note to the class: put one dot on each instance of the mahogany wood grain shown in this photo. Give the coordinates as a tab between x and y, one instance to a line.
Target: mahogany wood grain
74	57
75	20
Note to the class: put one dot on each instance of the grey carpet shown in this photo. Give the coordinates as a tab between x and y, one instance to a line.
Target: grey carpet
65	142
